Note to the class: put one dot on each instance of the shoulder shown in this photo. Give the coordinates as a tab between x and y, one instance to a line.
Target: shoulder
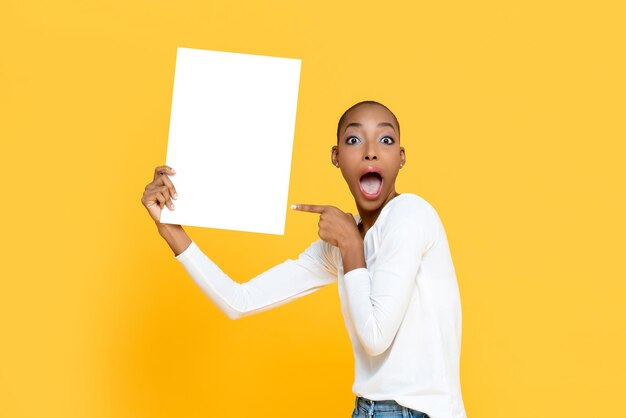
410	214
409	206
409	220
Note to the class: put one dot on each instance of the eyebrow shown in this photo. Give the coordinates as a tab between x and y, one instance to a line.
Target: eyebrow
358	125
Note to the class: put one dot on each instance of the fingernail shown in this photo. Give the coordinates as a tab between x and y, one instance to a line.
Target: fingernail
173	207
294	206
175	195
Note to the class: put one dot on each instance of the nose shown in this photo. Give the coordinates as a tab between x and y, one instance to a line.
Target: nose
370	152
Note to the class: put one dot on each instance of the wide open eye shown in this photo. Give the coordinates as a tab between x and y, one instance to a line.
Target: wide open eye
387	140
352	140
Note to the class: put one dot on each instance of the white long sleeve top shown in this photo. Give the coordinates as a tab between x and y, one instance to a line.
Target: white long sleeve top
402	312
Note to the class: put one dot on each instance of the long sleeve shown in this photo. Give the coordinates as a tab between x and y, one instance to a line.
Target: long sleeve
290	280
378	298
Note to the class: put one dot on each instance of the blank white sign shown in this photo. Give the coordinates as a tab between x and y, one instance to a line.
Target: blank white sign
230	140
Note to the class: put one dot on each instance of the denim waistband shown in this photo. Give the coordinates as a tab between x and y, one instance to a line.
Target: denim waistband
385	406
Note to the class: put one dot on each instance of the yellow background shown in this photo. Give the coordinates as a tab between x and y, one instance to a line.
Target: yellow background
512	115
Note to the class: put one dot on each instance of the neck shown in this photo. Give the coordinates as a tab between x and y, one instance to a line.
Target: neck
368	217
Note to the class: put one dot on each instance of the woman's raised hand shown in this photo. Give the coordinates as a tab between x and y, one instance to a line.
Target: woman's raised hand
159	192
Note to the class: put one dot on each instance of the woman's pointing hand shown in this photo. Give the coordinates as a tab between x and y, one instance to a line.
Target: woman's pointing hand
336	227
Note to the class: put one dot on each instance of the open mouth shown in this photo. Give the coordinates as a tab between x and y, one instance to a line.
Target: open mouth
371	184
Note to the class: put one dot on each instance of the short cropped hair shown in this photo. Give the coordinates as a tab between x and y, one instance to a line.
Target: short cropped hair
354	106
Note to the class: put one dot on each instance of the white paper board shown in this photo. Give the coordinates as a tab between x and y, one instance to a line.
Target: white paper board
231	138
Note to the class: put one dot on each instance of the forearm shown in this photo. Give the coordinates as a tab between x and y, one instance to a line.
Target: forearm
280	284
352	255
175	236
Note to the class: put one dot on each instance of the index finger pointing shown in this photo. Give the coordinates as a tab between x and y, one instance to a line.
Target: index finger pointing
309	208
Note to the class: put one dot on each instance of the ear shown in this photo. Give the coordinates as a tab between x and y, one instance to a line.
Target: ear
333	156
402	157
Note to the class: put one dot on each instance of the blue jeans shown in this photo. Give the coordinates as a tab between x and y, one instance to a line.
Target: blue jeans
365	408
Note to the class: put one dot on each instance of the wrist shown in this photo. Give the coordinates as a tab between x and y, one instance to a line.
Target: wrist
175	236
352	255
165	230
352	244
162	227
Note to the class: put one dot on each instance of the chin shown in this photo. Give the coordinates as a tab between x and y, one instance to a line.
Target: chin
368	204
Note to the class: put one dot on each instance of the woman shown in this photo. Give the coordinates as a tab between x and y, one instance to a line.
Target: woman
397	284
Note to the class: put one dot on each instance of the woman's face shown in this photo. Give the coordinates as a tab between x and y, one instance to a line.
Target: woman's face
369	155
